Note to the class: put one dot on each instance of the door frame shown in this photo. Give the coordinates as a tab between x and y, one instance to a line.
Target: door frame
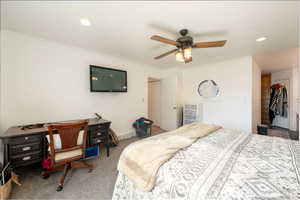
149	80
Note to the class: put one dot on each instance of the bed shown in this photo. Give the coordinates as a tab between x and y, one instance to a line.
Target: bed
226	164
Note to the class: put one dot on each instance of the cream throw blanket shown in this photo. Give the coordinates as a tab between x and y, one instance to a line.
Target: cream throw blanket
141	160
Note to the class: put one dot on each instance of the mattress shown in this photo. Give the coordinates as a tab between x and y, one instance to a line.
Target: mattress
226	164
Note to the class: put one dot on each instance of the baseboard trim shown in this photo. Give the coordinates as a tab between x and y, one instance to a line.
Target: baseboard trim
126	135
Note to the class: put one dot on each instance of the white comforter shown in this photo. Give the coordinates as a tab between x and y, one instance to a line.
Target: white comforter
225	165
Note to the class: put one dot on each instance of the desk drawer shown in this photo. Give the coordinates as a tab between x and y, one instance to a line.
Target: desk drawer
100	127
26	158
98	133
25	139
25	148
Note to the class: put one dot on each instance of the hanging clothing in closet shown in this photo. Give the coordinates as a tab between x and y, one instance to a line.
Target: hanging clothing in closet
278	102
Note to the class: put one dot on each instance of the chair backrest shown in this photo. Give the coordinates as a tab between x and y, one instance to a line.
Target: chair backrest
69	134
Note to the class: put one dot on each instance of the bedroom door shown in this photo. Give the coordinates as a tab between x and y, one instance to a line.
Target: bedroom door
170	108
154	101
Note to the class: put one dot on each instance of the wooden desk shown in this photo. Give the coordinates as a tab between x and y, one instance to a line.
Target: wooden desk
24	147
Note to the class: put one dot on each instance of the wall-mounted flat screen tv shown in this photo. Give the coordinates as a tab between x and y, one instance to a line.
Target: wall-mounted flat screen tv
103	79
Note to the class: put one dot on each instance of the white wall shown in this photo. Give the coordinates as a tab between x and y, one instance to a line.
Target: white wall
288	75
295	95
154	101
256	96
233	107
44	81
1	57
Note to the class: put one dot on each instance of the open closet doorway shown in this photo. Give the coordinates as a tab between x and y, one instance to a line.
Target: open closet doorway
154	104
280	103
279	93
282	118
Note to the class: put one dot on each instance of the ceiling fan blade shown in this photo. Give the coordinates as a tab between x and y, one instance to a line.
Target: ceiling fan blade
164	28
220	33
165	54
165	40
210	44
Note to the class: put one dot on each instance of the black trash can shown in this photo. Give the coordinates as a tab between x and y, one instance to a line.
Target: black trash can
143	127
262	129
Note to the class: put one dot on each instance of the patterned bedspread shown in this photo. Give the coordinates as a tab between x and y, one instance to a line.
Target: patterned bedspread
225	165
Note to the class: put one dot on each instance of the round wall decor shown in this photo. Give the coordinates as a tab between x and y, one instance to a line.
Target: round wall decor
208	89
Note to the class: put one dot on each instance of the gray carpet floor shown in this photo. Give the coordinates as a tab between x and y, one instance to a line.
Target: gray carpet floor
79	184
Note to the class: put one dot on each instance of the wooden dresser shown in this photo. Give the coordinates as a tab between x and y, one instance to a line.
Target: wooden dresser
29	146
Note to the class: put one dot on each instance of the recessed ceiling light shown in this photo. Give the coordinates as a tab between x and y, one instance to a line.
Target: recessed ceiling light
85	22
261	39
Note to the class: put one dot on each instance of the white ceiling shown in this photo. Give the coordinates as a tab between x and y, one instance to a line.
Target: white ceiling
123	28
278	60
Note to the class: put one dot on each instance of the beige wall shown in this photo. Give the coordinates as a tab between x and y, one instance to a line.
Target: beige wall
233	107
256	96
295	96
44	81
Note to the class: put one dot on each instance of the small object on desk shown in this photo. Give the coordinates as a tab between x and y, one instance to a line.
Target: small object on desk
98	116
32	126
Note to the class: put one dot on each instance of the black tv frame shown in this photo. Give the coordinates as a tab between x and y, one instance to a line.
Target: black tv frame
94	66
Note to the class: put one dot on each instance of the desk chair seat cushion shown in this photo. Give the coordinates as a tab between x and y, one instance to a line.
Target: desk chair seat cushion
69	154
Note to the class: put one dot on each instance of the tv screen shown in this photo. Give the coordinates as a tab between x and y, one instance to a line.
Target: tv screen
104	79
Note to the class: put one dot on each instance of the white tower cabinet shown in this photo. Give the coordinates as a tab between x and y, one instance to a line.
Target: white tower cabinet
192	113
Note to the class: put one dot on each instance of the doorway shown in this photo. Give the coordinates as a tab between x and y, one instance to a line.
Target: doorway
154	101
279	120
164	106
280	71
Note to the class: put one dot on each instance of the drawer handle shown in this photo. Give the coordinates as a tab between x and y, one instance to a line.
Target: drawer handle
99	140
26	148
26	138
98	133
26	158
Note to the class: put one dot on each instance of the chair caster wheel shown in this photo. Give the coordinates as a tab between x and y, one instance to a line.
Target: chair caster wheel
46	176
59	188
90	170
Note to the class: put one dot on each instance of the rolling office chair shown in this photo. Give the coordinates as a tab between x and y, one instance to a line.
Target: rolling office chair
67	143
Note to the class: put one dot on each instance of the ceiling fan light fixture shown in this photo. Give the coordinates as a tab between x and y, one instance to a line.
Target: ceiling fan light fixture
179	56
184	45
183	55
187	53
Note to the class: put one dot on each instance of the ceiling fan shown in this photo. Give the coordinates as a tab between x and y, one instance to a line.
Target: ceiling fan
184	46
